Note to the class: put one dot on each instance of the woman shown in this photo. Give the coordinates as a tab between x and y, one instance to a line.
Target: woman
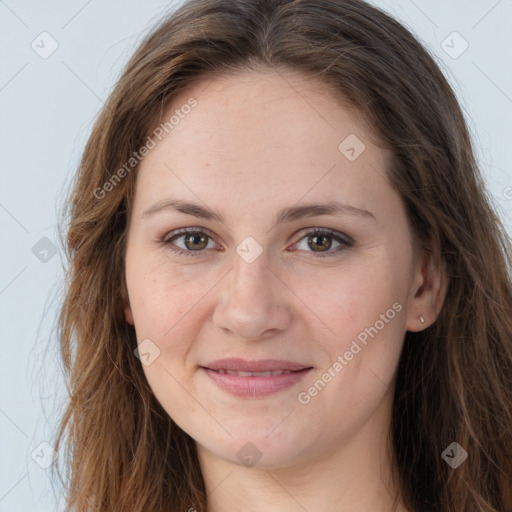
287	289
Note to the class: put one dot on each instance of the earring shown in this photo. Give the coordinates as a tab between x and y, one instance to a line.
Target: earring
422	320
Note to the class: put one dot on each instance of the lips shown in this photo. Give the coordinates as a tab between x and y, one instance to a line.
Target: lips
237	366
247	385
255	379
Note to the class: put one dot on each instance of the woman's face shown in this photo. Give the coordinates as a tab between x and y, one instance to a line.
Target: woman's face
267	275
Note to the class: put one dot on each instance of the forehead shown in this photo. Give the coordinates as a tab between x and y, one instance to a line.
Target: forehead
261	135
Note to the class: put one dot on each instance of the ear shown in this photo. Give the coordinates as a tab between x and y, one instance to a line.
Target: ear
128	315
427	292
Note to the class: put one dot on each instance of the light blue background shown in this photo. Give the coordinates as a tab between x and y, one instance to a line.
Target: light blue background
47	108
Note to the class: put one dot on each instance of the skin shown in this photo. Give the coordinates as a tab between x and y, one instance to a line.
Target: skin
255	143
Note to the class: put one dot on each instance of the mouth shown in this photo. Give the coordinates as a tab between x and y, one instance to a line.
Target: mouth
251	384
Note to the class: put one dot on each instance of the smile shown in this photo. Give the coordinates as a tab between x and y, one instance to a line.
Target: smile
255	384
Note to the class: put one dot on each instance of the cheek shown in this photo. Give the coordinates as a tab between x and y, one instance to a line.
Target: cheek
366	327
167	308
170	307
362	310
347	299
161	296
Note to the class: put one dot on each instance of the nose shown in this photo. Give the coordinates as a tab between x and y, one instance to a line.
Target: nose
253	302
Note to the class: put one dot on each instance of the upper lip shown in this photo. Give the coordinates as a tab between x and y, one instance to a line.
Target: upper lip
264	365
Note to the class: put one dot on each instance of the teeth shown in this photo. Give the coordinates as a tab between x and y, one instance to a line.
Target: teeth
254	374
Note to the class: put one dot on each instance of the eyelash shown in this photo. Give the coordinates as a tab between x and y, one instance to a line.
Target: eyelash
345	242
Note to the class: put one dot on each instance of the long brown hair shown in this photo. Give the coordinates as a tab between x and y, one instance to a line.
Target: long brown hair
123	451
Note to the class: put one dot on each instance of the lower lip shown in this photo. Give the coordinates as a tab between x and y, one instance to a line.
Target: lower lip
254	385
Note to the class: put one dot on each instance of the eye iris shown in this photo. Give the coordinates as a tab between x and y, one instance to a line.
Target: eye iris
326	242
196	238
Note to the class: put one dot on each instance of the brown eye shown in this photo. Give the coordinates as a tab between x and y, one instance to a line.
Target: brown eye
189	242
196	241
320	242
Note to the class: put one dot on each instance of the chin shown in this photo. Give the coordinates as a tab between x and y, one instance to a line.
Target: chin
262	451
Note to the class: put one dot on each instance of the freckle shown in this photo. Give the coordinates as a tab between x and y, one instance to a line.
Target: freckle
208	164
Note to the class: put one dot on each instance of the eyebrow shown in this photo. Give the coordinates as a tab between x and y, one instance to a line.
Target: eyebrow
286	215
